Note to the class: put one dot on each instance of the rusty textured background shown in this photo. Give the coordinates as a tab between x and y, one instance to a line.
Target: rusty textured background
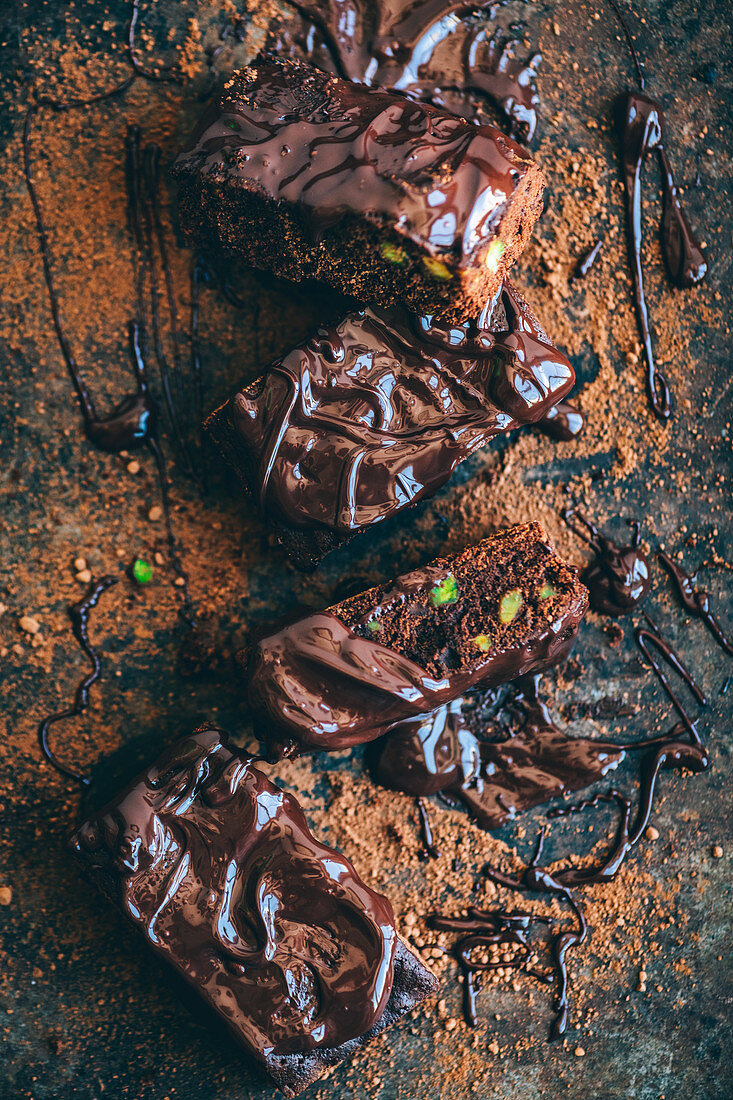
84	1011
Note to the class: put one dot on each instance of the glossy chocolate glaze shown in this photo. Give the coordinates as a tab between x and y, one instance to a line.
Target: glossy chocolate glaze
430	849
620	576
317	684
496	780
430	50
79	614
332	149
375	412
217	868
563	422
696	600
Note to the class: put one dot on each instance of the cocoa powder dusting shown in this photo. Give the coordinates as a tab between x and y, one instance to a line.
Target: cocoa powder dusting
72	513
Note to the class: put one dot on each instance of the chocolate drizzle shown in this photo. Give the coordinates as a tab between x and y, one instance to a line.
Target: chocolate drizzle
670	751
696	600
133	422
643	133
375	413
495	780
217	868
501	927
79	614
619	578
443	51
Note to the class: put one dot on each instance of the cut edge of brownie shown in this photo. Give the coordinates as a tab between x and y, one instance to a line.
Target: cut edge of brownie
413	983
509	585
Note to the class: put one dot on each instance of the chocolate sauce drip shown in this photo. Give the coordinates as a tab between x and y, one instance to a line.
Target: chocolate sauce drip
442	51
429	847
696	600
586	261
563	422
142	177
129	425
133	422
79	614
644	133
200	274
630	42
495	780
154	235
619	578
217	868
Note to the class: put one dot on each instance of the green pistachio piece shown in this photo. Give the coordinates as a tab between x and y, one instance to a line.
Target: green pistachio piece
142	571
437	269
546	591
494	253
483	641
393	253
509	605
373	625
445	591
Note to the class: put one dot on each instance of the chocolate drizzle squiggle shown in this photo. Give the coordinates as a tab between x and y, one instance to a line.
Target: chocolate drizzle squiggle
79	614
696	600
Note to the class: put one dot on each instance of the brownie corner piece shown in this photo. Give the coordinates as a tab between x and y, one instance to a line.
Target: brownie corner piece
295	955
388	199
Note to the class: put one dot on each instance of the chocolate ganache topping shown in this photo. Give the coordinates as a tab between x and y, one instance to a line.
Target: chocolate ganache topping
375	412
322	685
218	869
425	174
430	49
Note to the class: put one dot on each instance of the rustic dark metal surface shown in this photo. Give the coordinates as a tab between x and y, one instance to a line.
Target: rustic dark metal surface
84	1010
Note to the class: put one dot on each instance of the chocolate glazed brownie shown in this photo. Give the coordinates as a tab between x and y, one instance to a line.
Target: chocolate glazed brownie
216	866
504	608
374	413
389	200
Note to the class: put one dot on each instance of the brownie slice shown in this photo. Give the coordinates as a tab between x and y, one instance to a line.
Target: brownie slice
504	608
391	201
374	413
216	866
